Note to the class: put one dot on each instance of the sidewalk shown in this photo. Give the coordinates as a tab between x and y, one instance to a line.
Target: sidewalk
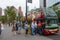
8	35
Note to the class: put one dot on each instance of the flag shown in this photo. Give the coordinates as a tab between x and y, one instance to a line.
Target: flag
30	1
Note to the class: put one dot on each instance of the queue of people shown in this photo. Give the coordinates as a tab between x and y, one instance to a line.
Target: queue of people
32	28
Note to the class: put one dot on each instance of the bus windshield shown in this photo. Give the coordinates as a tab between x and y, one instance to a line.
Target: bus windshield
52	21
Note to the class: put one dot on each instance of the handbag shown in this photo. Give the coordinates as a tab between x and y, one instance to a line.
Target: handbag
2	28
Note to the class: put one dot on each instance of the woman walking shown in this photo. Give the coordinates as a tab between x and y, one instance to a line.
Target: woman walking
19	25
14	28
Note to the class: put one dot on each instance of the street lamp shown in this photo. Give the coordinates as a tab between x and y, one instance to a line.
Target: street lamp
26	9
44	3
30	1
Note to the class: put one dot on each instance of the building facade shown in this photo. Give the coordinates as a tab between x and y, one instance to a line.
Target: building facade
20	13
42	3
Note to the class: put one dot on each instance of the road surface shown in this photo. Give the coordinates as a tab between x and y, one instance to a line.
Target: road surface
7	34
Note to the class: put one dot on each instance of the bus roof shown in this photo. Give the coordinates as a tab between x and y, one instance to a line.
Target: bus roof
49	12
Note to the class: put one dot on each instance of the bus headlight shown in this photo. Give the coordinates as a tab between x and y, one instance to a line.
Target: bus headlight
50	30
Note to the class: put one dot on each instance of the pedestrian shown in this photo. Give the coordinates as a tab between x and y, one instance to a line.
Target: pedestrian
39	27
14	28
24	24
19	24
27	28
43	27
32	28
35	27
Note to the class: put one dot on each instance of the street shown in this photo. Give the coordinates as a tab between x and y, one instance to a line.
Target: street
7	34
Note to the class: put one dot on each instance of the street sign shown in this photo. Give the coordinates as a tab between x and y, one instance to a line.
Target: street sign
29	1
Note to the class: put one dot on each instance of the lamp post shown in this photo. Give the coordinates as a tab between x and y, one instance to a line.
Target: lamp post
26	9
27	1
44	3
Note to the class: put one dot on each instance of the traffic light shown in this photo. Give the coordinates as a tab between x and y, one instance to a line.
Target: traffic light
30	1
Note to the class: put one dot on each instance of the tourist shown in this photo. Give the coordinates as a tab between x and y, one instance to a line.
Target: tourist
14	28
39	27
32	28
19	24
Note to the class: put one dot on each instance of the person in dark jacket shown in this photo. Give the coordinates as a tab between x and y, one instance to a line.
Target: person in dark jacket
43	27
16	27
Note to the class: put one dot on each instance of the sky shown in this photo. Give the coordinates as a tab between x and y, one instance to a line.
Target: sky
17	3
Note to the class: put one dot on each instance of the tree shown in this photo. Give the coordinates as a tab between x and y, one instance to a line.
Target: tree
3	19
10	13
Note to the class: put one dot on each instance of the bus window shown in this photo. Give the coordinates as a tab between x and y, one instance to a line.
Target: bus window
49	22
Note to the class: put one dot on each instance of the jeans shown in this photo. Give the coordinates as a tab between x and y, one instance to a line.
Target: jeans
32	31
35	30
26	31
39	30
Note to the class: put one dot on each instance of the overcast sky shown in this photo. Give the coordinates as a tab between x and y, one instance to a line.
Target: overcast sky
17	3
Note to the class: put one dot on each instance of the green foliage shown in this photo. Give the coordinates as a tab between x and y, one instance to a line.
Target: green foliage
10	13
19	18
3	19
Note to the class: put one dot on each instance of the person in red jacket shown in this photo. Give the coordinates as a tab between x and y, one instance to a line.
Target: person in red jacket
39	24
39	27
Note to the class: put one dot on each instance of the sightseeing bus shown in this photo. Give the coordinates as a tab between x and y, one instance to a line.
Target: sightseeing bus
51	21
